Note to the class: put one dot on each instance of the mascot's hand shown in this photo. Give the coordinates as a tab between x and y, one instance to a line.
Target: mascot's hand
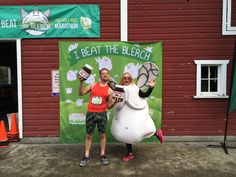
151	83
117	100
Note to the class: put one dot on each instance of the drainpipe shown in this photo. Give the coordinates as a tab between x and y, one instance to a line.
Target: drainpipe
124	20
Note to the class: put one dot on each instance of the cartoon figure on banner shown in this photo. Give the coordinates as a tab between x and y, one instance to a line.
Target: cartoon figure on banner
132	69
91	79
69	90
79	102
132	122
104	62
71	75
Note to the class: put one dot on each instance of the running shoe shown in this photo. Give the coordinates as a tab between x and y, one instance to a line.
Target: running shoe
104	160
160	136
84	161
128	157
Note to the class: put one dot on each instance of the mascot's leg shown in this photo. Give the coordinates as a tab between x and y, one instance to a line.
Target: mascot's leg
160	136
129	155
150	126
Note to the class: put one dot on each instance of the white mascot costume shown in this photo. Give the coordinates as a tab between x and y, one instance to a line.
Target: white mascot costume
132	122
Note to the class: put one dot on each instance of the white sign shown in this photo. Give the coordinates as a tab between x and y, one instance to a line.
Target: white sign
55	83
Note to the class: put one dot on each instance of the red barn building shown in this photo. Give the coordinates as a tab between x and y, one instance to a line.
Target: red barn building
196	40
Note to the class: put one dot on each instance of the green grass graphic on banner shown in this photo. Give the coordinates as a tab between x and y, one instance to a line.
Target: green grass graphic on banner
116	57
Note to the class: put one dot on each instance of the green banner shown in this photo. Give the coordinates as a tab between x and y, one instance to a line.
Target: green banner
57	21
118	57
232	98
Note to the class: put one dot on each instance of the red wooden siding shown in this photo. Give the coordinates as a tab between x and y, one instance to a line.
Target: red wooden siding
40	109
233	20
190	30
40	56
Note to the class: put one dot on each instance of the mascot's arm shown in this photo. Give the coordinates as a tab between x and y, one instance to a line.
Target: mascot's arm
145	94
120	105
149	91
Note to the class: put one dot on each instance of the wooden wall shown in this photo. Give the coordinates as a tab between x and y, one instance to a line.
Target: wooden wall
190	30
40	56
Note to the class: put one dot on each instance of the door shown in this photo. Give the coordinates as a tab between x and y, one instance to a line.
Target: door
8	80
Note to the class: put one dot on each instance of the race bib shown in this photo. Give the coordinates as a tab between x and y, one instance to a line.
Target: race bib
96	100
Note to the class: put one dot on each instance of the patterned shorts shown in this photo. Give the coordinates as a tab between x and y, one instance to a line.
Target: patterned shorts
93	118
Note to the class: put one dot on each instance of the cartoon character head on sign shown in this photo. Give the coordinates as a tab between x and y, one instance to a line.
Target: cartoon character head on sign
36	22
71	75
104	62
132	69
91	79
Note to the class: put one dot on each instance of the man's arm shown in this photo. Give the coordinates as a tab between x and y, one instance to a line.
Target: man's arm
111	102
84	90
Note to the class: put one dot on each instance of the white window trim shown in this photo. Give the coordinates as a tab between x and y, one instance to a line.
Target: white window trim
124	20
222	79
227	29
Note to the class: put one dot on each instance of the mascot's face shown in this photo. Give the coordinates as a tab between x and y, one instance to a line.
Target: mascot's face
126	79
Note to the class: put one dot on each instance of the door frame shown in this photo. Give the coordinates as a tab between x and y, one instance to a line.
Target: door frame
19	81
19	86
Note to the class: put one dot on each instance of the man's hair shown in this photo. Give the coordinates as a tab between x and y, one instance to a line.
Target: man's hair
103	70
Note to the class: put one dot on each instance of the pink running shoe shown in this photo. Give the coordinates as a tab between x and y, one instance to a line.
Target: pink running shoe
128	157
160	136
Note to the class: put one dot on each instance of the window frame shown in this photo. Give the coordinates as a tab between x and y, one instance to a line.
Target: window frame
222	78
227	29
9	81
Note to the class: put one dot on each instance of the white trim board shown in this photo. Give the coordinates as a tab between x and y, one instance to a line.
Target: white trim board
123	20
19	86
227	28
19	82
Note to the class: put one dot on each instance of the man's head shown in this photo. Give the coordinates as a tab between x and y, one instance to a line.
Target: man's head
104	74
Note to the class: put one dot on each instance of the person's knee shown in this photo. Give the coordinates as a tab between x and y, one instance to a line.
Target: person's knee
103	136
89	136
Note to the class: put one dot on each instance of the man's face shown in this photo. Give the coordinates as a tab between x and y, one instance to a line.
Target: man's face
104	75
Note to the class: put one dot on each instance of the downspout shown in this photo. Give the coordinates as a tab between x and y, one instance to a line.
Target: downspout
124	20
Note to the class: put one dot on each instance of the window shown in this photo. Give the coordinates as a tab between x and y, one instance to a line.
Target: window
211	78
5	75
228	18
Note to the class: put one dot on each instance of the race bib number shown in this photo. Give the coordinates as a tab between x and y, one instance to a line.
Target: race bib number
96	100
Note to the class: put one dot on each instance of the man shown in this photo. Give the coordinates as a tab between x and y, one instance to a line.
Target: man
100	99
